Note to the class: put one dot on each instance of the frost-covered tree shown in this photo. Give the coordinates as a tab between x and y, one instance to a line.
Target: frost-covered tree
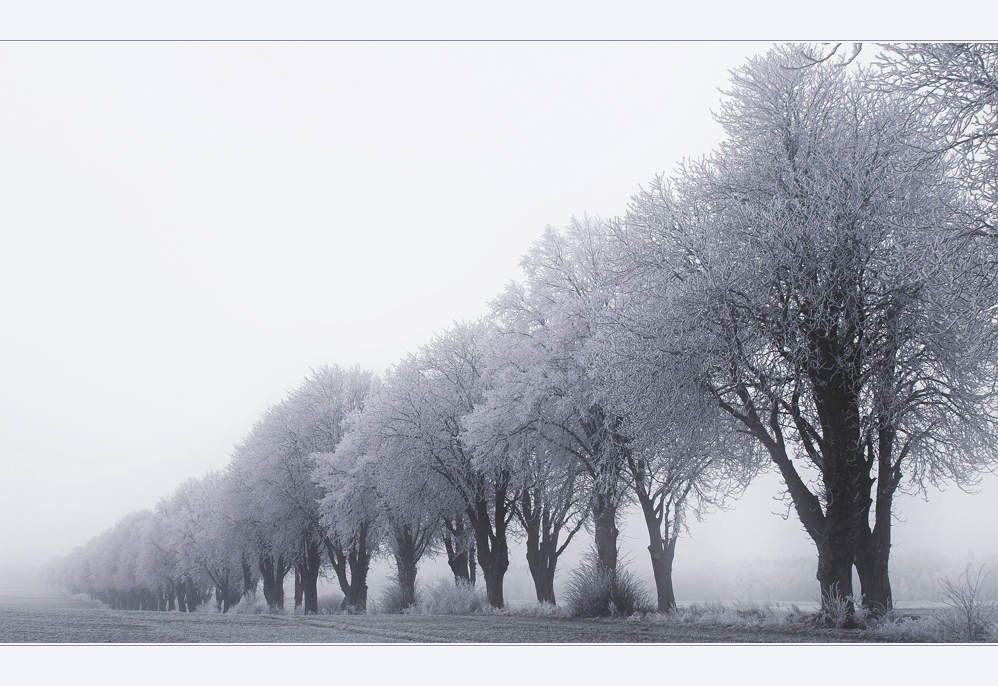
551	478
682	454
410	500
421	405
277	467
813	275
198	533
352	520
541	400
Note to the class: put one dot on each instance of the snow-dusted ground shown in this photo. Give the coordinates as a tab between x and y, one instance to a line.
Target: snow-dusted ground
39	598
23	625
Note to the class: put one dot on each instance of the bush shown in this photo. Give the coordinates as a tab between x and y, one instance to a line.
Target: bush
594	591
448	598
331	604
972	609
250	605
835	608
390	601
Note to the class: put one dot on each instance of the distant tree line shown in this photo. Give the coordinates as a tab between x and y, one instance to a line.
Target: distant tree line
817	296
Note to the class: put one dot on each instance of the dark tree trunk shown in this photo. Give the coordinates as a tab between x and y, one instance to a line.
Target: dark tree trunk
609	452
490	539
309	569
457	560
227	592
873	548
272	572
249	583
351	567
299	587
494	562
181	590
409	548
542	544
872	568
279	574
407	582
605	525
662	551
266	564
657	508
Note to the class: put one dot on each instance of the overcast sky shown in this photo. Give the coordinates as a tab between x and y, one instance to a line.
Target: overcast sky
188	228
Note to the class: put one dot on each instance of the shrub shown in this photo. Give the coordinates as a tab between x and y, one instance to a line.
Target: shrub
972	609
208	607
448	598
390	601
331	604
835	609
594	591
250	605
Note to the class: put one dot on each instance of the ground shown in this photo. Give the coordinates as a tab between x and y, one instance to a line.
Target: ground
47	616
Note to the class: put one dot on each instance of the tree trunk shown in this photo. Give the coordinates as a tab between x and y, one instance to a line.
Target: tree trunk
310	578
180	588
605	524
407	581
542	545
874	580
873	548
457	561
360	562
280	572
494	564
662	555
266	564
249	583
272	572
357	561
490	538
299	587
836	551
407	553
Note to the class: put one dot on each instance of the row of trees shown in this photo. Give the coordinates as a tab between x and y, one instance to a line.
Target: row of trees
818	295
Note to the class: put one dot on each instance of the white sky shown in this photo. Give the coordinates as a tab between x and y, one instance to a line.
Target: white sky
187	228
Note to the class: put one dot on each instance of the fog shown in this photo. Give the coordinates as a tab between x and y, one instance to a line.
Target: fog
189	228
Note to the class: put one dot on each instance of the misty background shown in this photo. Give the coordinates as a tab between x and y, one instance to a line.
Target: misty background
189	228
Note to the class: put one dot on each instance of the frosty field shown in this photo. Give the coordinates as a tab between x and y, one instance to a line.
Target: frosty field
39	615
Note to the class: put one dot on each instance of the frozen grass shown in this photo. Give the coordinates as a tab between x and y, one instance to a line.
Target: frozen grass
737	615
530	609
445	597
250	605
57	618
594	591
120	626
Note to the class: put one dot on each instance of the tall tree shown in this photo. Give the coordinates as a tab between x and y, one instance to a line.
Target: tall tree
421	407
278	455
410	498
812	279
542	391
